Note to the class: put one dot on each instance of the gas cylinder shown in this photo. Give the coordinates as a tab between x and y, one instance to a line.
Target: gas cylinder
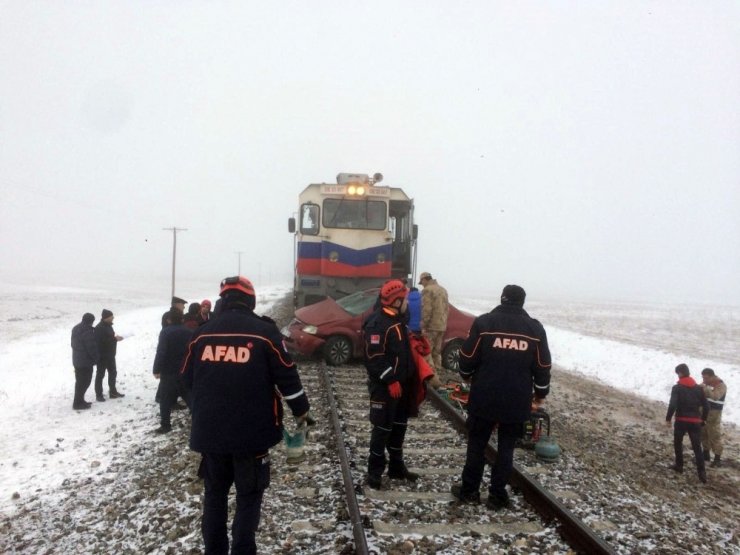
294	444
547	449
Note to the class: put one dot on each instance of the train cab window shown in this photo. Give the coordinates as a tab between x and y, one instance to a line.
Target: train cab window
310	219
354	214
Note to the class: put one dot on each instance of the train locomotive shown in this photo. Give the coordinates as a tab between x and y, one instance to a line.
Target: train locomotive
350	236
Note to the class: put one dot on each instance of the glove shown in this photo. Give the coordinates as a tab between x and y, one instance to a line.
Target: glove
395	390
304	419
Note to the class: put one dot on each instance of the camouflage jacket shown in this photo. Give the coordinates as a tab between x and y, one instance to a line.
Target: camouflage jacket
434	307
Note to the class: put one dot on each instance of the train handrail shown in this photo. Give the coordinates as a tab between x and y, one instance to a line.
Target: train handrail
578	534
358	531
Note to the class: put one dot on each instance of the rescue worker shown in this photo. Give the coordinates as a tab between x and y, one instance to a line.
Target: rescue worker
690	406
715	391
171	349
434	310
237	370
84	357
107	342
506	357
391	375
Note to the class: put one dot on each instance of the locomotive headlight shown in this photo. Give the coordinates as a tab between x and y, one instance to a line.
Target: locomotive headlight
360	190
313	330
351	190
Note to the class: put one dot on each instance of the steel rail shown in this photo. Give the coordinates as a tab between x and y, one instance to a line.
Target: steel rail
358	531
577	533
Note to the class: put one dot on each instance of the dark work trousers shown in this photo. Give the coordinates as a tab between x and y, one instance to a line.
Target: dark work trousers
694	431
479	432
389	418
110	366
170	387
251	475
83	377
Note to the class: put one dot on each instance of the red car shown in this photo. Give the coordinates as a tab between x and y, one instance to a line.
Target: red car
333	328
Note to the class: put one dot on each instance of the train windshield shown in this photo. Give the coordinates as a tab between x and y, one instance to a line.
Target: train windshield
354	214
359	302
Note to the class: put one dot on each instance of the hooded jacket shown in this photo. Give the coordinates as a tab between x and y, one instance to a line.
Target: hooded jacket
84	347
688	402
434	307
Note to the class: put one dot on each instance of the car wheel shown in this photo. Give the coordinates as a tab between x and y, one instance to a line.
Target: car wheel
337	350
451	355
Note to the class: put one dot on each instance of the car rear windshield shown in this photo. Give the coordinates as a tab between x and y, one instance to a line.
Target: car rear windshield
359	302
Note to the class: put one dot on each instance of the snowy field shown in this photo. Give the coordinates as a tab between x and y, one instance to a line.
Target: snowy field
43	441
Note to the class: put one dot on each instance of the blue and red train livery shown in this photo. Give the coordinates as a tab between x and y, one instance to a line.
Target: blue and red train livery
351	236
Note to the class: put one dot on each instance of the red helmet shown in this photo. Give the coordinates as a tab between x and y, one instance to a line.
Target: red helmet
391	291
237	283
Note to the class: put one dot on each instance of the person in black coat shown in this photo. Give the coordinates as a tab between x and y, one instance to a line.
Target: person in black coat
391	373
238	373
176	303
171	350
691	408
107	342
506	358
84	357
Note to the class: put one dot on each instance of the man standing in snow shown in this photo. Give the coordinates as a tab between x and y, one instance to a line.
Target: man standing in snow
711	434
107	341
238	372
507	358
690	406
175	304
434	310
171	350
84	357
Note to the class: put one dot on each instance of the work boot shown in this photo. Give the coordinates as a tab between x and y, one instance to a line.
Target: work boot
498	502
702	476
115	394
716	463
80	406
457	493
99	398
677	468
402	473
163	429
706	455
373	481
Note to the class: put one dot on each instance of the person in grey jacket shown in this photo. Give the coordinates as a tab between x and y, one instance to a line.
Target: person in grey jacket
84	357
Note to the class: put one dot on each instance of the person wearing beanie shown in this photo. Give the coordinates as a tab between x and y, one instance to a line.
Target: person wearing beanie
434	310
690	406
205	313
171	349
84	357
107	341
238	373
506	359
715	391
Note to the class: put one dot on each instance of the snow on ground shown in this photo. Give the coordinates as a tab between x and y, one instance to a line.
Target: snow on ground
43	441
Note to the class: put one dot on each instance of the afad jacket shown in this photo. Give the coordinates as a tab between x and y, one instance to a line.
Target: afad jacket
507	359
238	372
688	402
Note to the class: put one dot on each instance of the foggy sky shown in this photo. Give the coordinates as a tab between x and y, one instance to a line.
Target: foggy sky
580	149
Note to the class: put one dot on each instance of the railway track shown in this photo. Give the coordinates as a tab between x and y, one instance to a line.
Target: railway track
404	516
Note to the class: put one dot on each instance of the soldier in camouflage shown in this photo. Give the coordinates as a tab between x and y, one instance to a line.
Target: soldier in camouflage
434	309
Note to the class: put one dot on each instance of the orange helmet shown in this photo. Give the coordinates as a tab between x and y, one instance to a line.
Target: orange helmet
237	283
391	291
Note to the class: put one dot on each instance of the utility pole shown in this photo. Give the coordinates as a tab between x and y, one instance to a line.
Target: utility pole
174	231
239	255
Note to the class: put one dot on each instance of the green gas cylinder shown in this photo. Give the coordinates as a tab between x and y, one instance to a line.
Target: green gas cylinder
547	449
294	444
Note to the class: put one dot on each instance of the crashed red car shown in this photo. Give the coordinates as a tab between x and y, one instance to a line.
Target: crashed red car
333	328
